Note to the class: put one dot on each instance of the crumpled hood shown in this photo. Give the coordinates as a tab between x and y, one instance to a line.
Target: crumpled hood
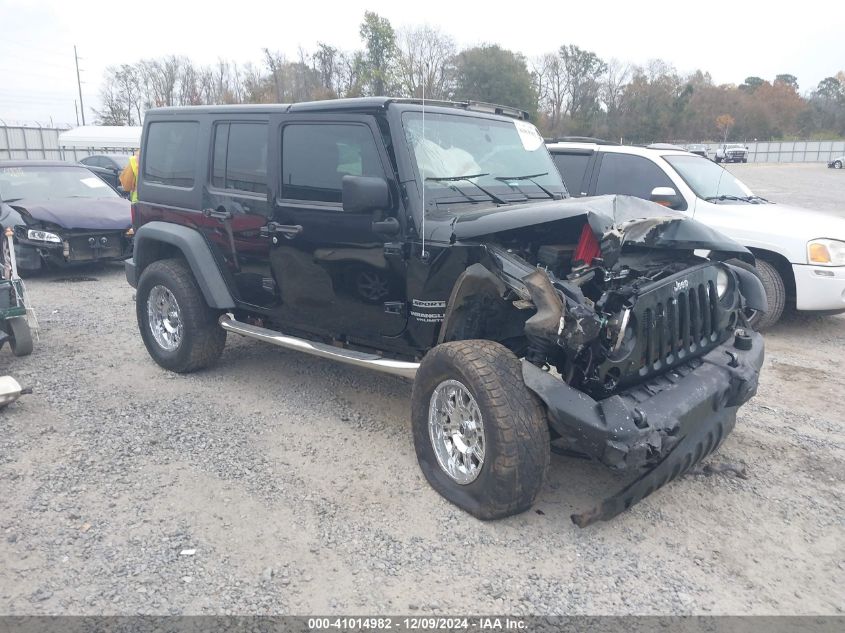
79	213
615	221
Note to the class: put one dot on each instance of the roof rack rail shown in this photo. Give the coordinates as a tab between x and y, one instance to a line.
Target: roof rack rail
580	139
474	106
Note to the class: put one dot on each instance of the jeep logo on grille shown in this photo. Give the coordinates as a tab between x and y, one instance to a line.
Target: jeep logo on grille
681	285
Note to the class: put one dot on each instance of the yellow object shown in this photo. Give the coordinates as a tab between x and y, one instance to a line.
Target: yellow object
129	178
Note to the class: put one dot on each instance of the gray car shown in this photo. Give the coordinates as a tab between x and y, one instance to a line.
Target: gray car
836	163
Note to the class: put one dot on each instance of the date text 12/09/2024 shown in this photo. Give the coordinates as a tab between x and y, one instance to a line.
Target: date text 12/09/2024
418	624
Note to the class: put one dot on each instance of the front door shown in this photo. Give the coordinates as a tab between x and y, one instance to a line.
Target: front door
332	269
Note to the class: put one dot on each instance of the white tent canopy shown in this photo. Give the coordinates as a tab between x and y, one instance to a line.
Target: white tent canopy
102	136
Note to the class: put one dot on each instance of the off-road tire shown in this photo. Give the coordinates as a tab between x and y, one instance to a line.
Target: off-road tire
515	428
20	336
775	293
203	339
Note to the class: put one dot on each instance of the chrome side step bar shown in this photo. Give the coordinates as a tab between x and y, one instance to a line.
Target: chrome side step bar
351	357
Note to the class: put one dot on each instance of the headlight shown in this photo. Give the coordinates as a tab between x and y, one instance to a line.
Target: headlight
826	252
43	236
722	281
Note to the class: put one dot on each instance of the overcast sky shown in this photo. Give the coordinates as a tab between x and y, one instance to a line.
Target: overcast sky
731	40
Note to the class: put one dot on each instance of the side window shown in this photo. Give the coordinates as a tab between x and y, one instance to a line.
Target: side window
572	168
240	157
170	153
630	176
316	157
91	161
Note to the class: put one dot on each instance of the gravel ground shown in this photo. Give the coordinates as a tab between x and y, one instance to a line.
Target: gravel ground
280	483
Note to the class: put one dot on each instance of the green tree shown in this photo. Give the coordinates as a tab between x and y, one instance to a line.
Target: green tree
751	84
380	51
496	75
787	80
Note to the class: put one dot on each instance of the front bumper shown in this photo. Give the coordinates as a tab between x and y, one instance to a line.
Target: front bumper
75	247
819	287
665	425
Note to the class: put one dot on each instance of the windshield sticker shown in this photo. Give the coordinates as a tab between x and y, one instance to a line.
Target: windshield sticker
528	134
93	182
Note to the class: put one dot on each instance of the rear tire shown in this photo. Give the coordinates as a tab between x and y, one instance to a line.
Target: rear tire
837	164
775	293
180	331
515	449
20	336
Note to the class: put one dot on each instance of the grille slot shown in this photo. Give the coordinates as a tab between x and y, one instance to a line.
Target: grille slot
679	326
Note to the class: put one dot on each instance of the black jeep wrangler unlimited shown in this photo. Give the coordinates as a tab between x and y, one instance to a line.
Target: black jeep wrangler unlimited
437	242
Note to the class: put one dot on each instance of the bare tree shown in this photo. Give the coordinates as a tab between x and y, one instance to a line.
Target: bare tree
425	59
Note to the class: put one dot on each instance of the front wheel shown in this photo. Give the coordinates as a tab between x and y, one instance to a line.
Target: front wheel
837	164
481	437
20	336
179	330
775	294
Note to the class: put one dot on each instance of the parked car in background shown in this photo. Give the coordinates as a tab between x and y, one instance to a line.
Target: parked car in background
837	162
800	253
108	167
698	149
65	215
731	153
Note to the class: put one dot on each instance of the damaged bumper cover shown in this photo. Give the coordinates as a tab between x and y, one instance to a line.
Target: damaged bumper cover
665	425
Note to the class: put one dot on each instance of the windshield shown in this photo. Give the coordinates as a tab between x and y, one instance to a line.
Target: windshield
43	183
707	179
466	159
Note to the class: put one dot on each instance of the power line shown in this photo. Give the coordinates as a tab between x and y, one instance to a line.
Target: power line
79	84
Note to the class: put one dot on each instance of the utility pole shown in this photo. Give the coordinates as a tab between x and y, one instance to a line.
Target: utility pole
76	111
79	85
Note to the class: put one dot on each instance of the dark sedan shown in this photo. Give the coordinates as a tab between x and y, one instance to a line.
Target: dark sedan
63	214
108	167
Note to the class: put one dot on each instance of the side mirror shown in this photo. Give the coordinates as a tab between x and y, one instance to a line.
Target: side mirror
666	196
364	194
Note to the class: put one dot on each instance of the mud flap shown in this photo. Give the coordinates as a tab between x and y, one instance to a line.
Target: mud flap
690	450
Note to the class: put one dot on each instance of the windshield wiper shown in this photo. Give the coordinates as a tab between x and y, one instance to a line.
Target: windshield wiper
724	196
467	178
530	178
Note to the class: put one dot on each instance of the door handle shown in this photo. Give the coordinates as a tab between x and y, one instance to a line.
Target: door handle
218	214
274	229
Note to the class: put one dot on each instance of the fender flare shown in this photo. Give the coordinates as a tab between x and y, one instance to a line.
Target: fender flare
196	252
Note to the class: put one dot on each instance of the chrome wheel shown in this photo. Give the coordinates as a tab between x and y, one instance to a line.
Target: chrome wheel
165	318
456	431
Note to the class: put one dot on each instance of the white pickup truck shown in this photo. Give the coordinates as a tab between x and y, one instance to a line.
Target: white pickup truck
731	153
800	252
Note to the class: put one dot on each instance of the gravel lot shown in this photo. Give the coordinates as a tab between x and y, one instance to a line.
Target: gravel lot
281	483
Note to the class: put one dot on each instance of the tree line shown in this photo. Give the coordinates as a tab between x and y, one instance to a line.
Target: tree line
570	91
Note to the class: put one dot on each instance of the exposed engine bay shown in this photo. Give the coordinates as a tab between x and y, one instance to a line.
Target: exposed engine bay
604	328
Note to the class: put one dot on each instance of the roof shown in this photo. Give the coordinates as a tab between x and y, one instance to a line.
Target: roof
357	104
99	136
636	150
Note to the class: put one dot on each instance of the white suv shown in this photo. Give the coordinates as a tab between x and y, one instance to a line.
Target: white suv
800	253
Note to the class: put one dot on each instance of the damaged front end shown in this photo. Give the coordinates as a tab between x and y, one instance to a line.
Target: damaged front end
638	344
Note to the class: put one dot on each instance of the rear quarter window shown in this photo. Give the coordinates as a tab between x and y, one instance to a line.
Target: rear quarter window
572	168
170	153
